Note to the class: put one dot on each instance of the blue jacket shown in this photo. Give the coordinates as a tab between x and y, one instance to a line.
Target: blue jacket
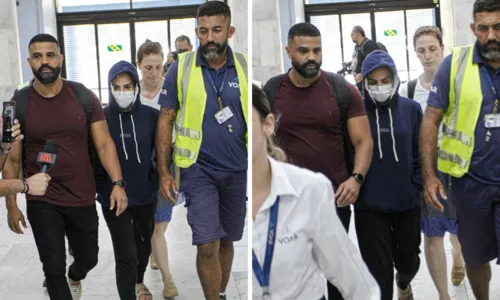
134	145
394	180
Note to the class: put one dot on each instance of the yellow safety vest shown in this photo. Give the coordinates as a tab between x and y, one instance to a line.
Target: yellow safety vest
192	100
461	117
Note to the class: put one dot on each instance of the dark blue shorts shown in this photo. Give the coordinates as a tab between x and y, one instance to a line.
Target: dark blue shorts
478	216
437	226
216	203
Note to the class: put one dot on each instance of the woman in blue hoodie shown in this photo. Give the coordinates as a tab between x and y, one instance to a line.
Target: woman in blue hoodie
133	128
388	209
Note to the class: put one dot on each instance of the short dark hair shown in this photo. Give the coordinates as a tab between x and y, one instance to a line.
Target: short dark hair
214	8
485	6
303	29
428	30
181	38
360	30
147	48
43	38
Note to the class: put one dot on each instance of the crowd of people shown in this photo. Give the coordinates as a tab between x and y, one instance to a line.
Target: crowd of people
130	157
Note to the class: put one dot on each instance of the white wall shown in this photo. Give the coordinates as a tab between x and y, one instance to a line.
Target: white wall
239	11
266	34
462	12
9	56
291	13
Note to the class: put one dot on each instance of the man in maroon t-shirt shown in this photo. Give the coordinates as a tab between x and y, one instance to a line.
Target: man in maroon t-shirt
68	207
310	130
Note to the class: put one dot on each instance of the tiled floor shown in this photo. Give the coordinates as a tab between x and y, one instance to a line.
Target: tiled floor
423	286
21	274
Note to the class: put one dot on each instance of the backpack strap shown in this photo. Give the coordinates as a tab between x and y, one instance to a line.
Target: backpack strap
272	87
412	84
84	96
343	96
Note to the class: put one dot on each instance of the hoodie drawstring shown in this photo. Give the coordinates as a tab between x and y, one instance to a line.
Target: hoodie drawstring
123	139
135	139
393	139
392	136
378	135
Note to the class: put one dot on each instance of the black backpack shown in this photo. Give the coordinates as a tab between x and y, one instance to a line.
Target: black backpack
378	45
343	97
412	84
83	95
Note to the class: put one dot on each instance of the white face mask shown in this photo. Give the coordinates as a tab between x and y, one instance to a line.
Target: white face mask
124	99
381	93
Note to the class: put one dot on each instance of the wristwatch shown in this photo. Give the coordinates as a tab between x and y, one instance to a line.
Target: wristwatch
359	177
121	183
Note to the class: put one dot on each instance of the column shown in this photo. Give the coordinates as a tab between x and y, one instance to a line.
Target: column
462	12
267	56
9	56
239	11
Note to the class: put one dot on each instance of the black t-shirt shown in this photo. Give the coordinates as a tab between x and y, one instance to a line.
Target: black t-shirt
362	51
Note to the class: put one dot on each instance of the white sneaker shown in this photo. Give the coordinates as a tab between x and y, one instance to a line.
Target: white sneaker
76	291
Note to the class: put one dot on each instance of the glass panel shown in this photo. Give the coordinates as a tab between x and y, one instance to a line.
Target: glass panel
65	6
331	1
163	3
415	19
390	31
156	31
183	27
348	22
114	45
330	37
80	55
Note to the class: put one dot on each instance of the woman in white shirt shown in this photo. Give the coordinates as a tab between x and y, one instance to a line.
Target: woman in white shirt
150	63
428	43
294	209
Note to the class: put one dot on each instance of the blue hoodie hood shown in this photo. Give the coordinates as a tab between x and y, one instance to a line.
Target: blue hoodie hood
133	133
120	68
393	182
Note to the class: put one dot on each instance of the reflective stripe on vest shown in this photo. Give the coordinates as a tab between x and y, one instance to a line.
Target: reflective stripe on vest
462	114
192	100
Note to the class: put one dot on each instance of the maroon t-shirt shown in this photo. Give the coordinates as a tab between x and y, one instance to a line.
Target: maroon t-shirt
310	130
62	119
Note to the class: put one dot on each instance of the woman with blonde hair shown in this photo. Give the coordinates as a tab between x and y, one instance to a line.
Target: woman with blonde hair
150	63
428	43
297	236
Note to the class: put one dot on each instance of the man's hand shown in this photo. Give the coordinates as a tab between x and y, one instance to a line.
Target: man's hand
432	186
37	184
348	192
14	216
119	199
167	182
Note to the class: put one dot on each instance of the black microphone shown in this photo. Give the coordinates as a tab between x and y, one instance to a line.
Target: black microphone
47	158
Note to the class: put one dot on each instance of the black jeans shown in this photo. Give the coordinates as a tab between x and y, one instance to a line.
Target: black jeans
387	241
131	234
344	214
50	223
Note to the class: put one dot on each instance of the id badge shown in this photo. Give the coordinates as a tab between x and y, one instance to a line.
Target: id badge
492	120
223	115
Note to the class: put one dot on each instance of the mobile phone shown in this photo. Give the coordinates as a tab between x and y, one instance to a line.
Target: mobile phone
8	117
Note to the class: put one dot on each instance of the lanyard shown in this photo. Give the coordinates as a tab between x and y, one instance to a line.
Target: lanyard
212	83
263	274
489	81
487	75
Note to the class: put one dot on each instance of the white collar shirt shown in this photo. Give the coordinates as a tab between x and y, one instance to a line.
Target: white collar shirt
311	244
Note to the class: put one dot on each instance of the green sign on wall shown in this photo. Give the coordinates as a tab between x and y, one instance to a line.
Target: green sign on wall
115	48
391	32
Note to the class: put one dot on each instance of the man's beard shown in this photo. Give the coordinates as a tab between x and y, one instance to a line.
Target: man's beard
306	72
211	54
47	77
490	53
